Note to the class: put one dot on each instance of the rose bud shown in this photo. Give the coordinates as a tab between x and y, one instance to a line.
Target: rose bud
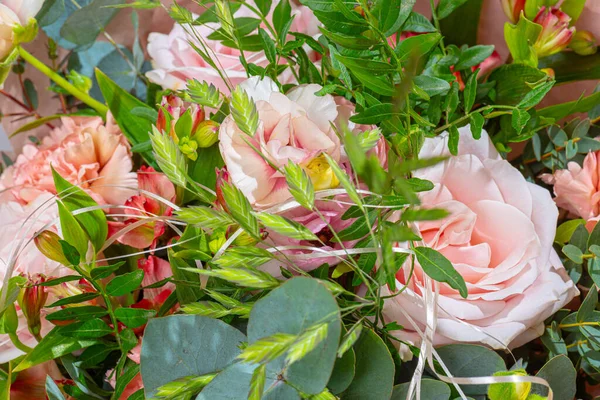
48	244
555	34
31	300
584	43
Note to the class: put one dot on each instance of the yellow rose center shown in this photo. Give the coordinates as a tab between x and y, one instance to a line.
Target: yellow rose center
321	174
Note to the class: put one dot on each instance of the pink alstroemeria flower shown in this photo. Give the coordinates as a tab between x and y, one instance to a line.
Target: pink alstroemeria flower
143	205
555	35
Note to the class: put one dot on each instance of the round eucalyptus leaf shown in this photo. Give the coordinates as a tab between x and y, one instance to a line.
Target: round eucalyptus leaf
343	372
234	384
374	376
186	345
467	360
430	390
561	376
292	308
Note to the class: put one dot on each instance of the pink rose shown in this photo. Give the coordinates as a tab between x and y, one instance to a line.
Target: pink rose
577	189
85	151
498	237
143	205
293	127
175	61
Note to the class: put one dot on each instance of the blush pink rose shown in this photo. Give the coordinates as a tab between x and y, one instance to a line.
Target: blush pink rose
83	150
175	61
293	127
499	237
577	188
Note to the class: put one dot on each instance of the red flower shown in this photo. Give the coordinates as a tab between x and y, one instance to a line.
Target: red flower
556	34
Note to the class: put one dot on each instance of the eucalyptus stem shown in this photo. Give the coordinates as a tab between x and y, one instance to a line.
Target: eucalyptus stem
466	117
62	82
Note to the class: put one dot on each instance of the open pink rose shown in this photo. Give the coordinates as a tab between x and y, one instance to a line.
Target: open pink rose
143	205
293	127
175	61
83	150
577	188
498	237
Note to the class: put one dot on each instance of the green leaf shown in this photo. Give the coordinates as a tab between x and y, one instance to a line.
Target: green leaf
569	66
78	298
286	227
473	56
512	82
292	308
520	39
418	23
268	45
88	329
440	269
125	284
446	7
52	346
470	92
94	355
454	29
519	119
453	138
561	375
588	305
282	15
264	6
432	85
374	114
121	104
166	354
536	95
73	233
417	46
466	360
573	253
582	105
374	376
187	283
134	317
430	390
392	14
477	121
240	209
425	214
9	321
52	391
93	222
105	272
77	313
343	372
84	25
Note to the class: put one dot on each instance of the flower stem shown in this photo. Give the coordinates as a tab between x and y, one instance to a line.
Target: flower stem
62	82
18	344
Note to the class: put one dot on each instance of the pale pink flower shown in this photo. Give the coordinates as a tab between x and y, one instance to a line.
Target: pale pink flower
83	150
155	270
577	188
498	237
144	205
12	14
175	61
293	127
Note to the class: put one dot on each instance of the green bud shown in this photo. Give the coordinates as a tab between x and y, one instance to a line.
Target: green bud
48	243
24	34
188	147
81	82
207	133
584	43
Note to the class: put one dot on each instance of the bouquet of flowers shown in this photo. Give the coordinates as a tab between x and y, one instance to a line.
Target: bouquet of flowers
313	199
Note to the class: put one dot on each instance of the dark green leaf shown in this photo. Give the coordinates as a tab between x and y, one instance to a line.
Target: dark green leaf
78	298
125	284
440	269
77	313
473	56
134	317
446	7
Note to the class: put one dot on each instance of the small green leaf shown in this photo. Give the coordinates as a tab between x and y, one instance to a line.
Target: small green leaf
477	121
88	329
446	7
440	269
134	317
453	138
470	91
77	313
573	253
125	284
473	56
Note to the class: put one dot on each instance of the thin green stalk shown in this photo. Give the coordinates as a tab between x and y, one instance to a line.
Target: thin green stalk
18	344
62	82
